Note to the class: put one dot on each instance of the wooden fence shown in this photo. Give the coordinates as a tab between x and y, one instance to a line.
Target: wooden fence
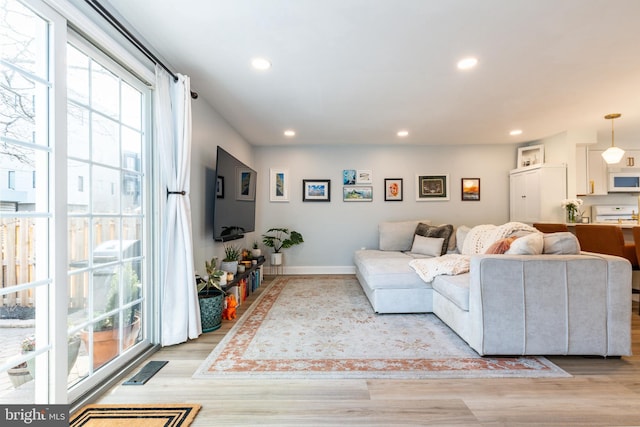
17	239
18	242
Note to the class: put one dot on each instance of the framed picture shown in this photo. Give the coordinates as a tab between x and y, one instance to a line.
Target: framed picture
364	177
357	193
470	189
530	156
393	189
349	177
431	188
316	190
278	185
220	187
245	184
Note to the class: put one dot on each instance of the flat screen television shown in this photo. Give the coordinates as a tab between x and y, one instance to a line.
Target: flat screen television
234	206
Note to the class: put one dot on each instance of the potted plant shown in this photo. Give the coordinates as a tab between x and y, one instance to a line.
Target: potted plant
280	238
211	296
231	258
106	339
29	344
256	252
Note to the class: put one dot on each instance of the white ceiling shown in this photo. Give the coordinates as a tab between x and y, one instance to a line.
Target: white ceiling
357	71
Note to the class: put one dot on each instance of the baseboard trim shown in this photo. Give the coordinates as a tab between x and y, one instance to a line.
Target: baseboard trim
291	270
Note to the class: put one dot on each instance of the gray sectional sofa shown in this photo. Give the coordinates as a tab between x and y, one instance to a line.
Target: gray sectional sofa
562	303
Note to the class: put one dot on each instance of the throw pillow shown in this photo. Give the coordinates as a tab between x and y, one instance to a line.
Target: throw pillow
461	234
531	244
431	246
444	231
561	243
501	246
397	235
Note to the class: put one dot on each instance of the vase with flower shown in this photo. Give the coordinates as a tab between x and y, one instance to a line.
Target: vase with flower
572	207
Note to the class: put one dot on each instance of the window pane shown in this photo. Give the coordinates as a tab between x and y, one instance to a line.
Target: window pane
78	298
106	235
18	244
77	187
17	106
132	231
131	149
78	243
105	90
23	38
105	141
106	190
131	106
131	193
78	131
77	75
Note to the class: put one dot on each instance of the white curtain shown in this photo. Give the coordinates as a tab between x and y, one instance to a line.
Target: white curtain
180	312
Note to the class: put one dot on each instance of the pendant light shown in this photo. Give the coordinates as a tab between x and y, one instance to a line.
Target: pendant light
612	154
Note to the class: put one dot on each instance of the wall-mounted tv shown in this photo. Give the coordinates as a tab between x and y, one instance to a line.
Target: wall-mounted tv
234	206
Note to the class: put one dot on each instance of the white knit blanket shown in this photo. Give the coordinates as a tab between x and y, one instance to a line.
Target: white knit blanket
477	241
481	237
449	264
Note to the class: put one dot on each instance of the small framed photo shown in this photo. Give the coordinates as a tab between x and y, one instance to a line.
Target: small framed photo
316	190
530	156
431	188
278	185
364	177
357	193
349	177
393	189
470	189
220	187
245	184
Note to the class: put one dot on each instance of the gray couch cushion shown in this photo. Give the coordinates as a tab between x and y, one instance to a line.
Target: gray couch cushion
454	288
397	235
387	269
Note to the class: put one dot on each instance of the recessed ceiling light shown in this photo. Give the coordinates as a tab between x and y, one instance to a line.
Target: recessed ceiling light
467	63
515	132
260	64
289	133
403	133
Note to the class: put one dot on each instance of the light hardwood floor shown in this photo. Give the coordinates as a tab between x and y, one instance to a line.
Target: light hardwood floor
602	392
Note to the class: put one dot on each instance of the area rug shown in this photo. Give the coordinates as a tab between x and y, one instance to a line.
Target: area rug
324	327
147	415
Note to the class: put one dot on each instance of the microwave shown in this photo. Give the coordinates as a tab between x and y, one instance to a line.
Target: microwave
624	182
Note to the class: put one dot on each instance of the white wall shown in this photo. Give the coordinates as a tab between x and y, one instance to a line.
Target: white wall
209	130
333	230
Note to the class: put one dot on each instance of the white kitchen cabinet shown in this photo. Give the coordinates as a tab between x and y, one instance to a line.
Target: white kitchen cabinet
582	173
631	159
536	194
597	173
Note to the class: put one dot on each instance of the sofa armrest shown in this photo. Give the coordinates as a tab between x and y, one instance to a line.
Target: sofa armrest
550	304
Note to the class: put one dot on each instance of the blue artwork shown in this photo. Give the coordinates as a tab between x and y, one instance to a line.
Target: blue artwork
349	176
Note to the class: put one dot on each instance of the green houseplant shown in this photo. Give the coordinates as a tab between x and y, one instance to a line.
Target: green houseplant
211	296
280	238
231	257
256	252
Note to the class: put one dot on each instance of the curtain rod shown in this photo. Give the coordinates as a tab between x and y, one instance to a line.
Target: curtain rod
102	11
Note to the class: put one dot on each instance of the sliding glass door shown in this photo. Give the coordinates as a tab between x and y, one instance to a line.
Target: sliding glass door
73	209
106	205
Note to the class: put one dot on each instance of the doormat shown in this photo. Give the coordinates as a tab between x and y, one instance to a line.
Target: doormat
143	415
324	327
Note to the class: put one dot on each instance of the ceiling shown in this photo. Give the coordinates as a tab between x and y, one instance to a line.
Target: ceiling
358	71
